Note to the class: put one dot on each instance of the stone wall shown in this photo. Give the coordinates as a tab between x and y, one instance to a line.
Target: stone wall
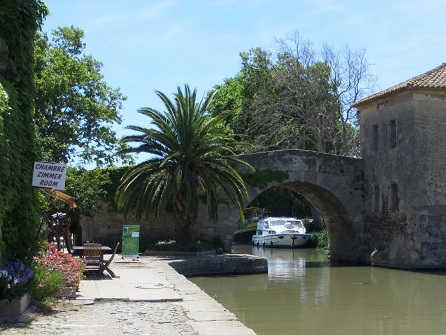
405	194
106	227
220	264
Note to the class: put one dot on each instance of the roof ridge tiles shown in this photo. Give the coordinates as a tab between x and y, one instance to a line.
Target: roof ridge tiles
433	79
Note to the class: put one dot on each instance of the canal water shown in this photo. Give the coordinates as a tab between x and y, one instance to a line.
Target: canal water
303	294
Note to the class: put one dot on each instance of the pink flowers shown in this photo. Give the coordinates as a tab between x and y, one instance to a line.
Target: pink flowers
72	269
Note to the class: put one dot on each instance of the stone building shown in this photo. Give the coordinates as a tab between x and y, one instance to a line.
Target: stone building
403	145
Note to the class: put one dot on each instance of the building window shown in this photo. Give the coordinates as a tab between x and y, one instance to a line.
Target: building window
377	196
375	137
395	199
392	135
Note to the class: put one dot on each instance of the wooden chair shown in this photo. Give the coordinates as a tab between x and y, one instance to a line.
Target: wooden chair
105	264
94	258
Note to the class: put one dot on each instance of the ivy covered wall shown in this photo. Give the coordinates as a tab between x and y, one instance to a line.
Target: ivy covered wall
19	21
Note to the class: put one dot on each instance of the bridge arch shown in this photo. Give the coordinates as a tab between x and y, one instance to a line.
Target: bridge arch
333	185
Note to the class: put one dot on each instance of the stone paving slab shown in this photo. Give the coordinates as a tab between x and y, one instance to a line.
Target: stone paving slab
153	279
134	284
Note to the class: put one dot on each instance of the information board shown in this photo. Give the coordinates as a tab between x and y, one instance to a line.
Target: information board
130	241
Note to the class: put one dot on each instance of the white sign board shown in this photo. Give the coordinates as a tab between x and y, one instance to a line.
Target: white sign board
49	175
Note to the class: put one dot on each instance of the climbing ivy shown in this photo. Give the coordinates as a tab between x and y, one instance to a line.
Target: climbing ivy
261	178
4	108
19	21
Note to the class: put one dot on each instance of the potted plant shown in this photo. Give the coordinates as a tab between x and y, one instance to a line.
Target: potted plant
14	295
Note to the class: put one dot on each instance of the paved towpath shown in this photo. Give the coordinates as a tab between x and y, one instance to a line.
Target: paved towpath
147	296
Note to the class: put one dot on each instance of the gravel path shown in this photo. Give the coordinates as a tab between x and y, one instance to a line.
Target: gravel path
108	318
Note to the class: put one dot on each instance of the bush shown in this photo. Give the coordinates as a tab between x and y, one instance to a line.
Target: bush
54	270
45	284
320	239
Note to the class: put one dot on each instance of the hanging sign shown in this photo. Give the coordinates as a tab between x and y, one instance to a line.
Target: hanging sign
49	175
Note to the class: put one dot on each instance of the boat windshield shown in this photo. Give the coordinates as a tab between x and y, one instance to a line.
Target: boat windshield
289	223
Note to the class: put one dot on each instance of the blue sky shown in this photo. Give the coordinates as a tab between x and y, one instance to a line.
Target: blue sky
148	45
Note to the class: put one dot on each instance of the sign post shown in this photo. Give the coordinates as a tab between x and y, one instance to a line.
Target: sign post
130	241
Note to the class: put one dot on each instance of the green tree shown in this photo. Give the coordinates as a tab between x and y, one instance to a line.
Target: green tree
293	108
227	104
296	97
349	80
228	99
279	103
192	159
75	108
87	187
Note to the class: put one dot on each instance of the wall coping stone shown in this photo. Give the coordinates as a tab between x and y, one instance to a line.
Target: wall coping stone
220	264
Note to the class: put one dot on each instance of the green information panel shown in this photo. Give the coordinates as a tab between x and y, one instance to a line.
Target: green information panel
130	240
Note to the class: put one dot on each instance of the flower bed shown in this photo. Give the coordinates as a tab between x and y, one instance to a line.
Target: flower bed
55	272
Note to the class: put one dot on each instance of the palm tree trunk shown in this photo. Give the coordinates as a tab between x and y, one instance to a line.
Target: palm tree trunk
182	226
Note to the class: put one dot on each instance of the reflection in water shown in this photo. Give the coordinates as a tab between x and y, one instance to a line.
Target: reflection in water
287	264
290	265
302	294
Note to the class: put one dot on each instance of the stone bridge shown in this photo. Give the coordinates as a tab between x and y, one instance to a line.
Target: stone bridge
334	185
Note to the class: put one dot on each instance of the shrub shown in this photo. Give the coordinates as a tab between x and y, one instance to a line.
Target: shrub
189	246
53	271
320	239
168	245
45	284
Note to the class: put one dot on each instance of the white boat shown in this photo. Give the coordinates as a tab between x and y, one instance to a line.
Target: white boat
280	232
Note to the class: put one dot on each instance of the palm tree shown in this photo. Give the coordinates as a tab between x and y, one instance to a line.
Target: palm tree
191	158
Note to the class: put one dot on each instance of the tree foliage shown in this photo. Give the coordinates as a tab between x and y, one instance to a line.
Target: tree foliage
351	81
88	189
75	108
228	100
193	158
279	201
293	98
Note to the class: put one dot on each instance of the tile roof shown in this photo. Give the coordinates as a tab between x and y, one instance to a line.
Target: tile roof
434	79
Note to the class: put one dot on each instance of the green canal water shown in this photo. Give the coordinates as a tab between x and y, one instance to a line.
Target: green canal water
303	294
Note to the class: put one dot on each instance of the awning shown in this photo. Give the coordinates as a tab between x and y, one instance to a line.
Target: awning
61	196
